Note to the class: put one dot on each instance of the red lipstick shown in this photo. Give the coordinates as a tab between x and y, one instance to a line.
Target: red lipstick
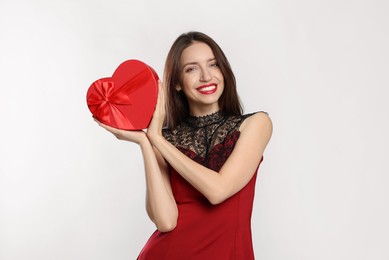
207	88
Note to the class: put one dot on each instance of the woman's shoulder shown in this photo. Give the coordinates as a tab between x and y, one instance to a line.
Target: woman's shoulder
259	120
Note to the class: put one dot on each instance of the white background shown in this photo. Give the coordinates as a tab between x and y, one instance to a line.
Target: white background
70	190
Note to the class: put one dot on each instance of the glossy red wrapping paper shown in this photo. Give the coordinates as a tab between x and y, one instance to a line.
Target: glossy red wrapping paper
127	99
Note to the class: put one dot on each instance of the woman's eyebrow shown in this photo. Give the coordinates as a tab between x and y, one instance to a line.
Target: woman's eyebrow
190	63
195	62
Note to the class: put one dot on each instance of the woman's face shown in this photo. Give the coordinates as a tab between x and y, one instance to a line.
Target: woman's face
202	79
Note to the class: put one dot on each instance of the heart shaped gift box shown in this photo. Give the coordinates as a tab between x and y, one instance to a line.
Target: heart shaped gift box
127	99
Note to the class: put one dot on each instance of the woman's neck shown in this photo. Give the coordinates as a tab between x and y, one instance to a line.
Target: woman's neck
203	111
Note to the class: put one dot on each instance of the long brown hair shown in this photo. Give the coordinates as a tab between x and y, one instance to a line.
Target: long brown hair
177	108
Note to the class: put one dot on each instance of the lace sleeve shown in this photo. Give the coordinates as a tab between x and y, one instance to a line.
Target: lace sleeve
168	135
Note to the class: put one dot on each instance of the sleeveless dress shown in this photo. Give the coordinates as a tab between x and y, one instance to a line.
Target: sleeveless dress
205	231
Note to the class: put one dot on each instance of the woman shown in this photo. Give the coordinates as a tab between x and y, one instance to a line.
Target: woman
201	169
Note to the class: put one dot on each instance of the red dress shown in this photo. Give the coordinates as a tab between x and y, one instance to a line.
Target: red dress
205	231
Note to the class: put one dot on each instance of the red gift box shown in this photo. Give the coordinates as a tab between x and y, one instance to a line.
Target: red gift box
127	99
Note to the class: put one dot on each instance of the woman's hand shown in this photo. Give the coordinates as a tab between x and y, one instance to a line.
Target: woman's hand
155	128
132	136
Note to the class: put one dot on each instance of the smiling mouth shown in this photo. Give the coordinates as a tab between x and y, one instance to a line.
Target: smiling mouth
207	89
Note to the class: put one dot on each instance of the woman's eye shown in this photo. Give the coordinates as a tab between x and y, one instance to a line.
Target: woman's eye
214	64
189	69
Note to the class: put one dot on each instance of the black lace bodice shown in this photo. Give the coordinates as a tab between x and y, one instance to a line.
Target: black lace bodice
201	134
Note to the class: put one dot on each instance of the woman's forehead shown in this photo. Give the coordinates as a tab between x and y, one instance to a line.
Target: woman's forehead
196	53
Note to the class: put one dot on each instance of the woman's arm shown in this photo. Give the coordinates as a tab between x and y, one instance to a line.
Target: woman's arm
160	204
255	133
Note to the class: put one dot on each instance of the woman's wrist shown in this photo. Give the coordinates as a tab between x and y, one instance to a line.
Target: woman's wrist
144	140
154	137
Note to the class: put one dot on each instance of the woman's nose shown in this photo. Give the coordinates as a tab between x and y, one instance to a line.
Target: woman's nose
205	75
